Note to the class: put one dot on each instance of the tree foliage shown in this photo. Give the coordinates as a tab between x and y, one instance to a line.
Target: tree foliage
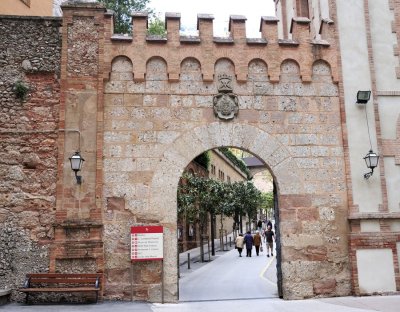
199	196
123	10
247	199
157	27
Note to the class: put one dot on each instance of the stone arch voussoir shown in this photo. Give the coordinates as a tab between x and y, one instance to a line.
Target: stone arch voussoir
185	148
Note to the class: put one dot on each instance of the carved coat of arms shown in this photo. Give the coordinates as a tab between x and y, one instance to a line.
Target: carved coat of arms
226	104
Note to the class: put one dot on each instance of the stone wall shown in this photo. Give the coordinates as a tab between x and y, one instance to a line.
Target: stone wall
158	115
29	53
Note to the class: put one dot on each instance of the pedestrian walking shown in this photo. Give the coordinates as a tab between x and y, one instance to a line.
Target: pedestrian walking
269	236
248	240
257	242
239	243
259	225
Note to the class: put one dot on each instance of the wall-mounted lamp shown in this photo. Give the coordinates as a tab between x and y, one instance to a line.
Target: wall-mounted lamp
371	159
76	165
363	97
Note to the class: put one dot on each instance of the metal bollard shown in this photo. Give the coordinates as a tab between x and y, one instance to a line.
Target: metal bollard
230	241
188	260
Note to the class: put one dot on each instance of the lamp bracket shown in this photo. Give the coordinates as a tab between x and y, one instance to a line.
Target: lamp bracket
368	175
78	178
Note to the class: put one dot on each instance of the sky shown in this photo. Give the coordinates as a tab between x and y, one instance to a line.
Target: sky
221	9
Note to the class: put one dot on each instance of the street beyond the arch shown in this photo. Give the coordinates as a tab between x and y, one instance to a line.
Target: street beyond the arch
229	277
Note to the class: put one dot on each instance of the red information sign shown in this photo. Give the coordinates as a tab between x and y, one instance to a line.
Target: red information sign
146	243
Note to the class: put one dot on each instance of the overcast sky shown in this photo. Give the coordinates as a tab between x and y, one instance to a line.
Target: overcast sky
221	9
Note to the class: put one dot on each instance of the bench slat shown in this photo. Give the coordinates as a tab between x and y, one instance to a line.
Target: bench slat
35	280
63	275
68	289
40	282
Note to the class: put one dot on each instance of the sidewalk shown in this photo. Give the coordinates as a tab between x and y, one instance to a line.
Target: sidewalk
341	304
195	252
337	304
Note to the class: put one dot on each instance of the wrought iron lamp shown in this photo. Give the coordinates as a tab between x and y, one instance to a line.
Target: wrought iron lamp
371	159
76	165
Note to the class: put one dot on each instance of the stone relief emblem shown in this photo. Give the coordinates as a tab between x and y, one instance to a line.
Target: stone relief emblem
226	104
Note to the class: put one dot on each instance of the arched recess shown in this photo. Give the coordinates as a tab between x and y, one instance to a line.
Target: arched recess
156	69
321	71
224	66
121	68
322	78
185	148
290	71
258	70
191	69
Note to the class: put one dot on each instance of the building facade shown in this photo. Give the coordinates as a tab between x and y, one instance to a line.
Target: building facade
220	168
28	7
140	108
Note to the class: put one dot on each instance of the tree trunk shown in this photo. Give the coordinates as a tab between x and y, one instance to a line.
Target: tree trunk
212	234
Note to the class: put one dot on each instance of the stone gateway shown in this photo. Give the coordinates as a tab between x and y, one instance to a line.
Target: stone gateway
140	108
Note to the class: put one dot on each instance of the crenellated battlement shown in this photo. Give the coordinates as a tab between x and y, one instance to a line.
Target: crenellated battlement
207	48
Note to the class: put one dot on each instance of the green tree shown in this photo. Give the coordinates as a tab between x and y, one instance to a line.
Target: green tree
123	10
157	27
267	203
246	200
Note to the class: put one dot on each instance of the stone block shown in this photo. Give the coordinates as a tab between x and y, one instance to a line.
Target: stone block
263	88
115	87
307	163
305	139
155	87
327	213
116	203
307	214
325	287
167	137
302	240
133	100
245	102
135	87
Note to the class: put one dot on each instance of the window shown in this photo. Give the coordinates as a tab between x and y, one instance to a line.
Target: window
213	169
221	175
302	8
228	178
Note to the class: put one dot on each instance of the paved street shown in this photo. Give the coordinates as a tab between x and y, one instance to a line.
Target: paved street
230	277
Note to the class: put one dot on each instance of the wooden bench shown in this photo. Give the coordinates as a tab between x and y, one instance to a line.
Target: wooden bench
60	283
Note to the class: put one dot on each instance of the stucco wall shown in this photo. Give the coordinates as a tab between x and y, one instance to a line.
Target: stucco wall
369	55
356	76
381	279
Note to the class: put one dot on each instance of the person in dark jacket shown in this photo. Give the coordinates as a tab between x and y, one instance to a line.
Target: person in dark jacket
248	240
